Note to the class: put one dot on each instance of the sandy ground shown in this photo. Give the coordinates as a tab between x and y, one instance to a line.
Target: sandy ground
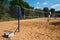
33	29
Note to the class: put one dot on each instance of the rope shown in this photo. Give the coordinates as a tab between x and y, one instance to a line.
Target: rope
34	10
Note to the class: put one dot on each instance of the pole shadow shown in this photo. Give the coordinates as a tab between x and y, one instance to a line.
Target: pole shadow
55	23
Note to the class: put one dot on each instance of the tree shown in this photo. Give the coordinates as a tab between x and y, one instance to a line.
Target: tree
46	10
3	7
13	7
58	13
52	10
20	2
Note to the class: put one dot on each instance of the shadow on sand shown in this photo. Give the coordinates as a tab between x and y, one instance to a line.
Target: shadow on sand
55	23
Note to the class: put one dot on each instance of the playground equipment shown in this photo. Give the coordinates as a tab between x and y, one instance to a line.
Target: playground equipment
11	34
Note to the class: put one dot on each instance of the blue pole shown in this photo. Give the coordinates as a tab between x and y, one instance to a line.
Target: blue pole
18	18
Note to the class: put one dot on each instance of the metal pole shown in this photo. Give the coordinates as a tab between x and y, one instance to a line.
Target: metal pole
18	18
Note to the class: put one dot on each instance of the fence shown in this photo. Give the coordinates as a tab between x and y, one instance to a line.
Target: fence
33	13
36	13
11	13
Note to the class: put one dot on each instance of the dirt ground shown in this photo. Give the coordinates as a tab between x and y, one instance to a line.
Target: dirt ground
33	29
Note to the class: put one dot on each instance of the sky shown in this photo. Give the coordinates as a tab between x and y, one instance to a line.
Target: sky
44	3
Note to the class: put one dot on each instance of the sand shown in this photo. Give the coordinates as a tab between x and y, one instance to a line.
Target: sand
32	29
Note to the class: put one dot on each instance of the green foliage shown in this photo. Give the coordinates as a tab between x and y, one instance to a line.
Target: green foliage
6	17
8	9
46	9
52	10
20	2
13	7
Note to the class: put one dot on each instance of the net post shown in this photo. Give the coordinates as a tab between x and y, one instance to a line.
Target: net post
19	18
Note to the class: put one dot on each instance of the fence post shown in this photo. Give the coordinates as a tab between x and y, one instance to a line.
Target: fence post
19	11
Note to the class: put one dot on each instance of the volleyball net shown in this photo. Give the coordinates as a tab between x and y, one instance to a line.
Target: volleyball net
33	13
